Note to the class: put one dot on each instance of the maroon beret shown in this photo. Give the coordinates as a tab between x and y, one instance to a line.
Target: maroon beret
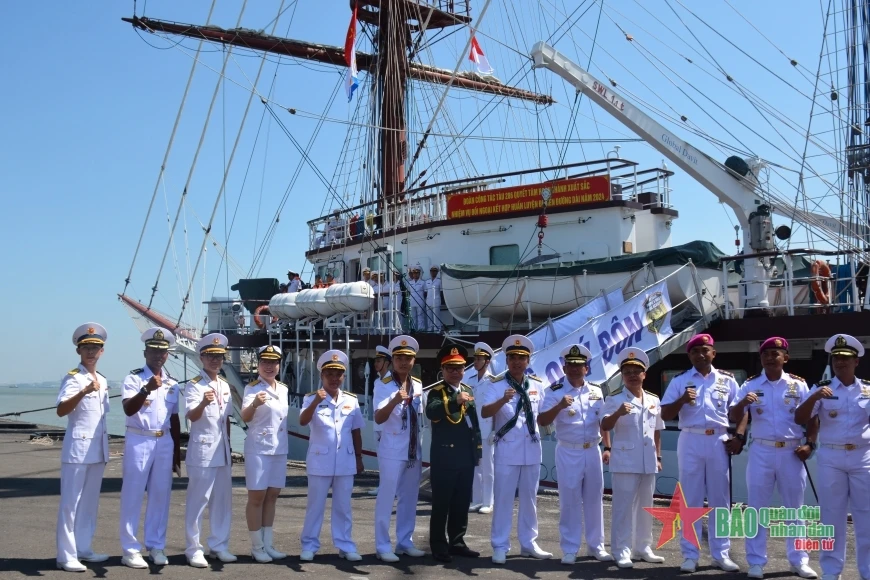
699	340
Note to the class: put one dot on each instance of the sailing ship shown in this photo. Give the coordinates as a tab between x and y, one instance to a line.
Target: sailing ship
530	245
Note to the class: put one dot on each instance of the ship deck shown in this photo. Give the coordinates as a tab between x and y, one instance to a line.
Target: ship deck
29	488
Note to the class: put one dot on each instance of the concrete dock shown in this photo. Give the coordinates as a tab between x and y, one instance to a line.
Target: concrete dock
30	487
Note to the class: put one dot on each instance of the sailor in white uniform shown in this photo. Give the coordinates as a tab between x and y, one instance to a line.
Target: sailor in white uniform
842	407
209	406
433	300
399	412
417	296
481	494
334	457
574	406
701	397
84	399
512	400
382	363
150	399
777	451
264	409
635	417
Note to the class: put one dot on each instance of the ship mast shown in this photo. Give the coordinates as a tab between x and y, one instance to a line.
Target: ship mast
396	21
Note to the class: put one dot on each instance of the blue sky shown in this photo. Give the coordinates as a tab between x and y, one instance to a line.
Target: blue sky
88	106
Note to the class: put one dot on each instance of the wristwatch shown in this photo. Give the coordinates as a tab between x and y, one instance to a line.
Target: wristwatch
659	458
143	391
741	437
811	445
606	449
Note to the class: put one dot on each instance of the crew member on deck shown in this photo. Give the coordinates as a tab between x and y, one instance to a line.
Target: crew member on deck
334	457
209	406
453	454
417	297
842	407
635	417
398	405
777	452
433	300
150	399
512	400
84	399
264	409
701	397
574	406
481	494
295	282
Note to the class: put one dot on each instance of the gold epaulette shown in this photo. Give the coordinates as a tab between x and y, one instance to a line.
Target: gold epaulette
864	381
435	387
195	379
726	373
497	378
682	373
386	380
616	392
280	383
311	393
73	372
416	380
650	393
534	378
753	377
350	394
796	377
254	382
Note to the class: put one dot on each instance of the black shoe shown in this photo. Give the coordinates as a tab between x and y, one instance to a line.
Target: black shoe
443	557
464	551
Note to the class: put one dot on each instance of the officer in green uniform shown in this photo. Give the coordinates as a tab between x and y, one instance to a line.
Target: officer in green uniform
454	453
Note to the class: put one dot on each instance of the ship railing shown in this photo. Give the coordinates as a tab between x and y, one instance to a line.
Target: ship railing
791	293
239	322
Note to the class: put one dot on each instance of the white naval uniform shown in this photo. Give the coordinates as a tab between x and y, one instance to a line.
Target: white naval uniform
294	285
378	306
148	453
83	459
266	441
209	466
331	463
772	460
843	467
482	488
633	468
416	289
578	464
703	460
433	304
517	466
397	479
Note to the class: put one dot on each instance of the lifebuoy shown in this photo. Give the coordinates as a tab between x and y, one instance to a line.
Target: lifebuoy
821	288
262	309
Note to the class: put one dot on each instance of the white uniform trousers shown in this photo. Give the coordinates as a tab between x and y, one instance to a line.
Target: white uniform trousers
147	466
769	466
212	487
77	515
581	483
704	472
396	480
507	479
844	480
484	475
341	520
418	315
631	525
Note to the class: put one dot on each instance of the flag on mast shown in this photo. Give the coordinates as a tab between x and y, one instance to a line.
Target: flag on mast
350	56
479	59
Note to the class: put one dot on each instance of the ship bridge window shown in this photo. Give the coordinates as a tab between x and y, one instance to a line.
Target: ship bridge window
504	255
380	263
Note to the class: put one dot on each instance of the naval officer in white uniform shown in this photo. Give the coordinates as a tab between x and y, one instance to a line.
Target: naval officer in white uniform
574	406
701	397
635	417
209	406
842	407
399	412
334	457
152	450
264	409
382	363
84	399
512	400
777	451
481	493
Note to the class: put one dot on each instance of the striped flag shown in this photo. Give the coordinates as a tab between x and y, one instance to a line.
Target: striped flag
479	59
350	56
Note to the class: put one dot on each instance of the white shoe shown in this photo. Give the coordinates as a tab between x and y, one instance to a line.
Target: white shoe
689	565
499	556
535	552
198	560
224	556
726	564
647	555
487	509
600	555
373	491
158	557
71	566
93	557
267	545
804	571
134	560
306	556
625	562
830	577
387	557
260	555
569	559
349	556
755	571
412	551
474	508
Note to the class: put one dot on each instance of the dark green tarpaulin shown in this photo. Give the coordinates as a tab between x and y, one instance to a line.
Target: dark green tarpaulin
256	291
702	254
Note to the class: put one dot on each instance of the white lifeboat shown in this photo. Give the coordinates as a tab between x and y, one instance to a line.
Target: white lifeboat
321	302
